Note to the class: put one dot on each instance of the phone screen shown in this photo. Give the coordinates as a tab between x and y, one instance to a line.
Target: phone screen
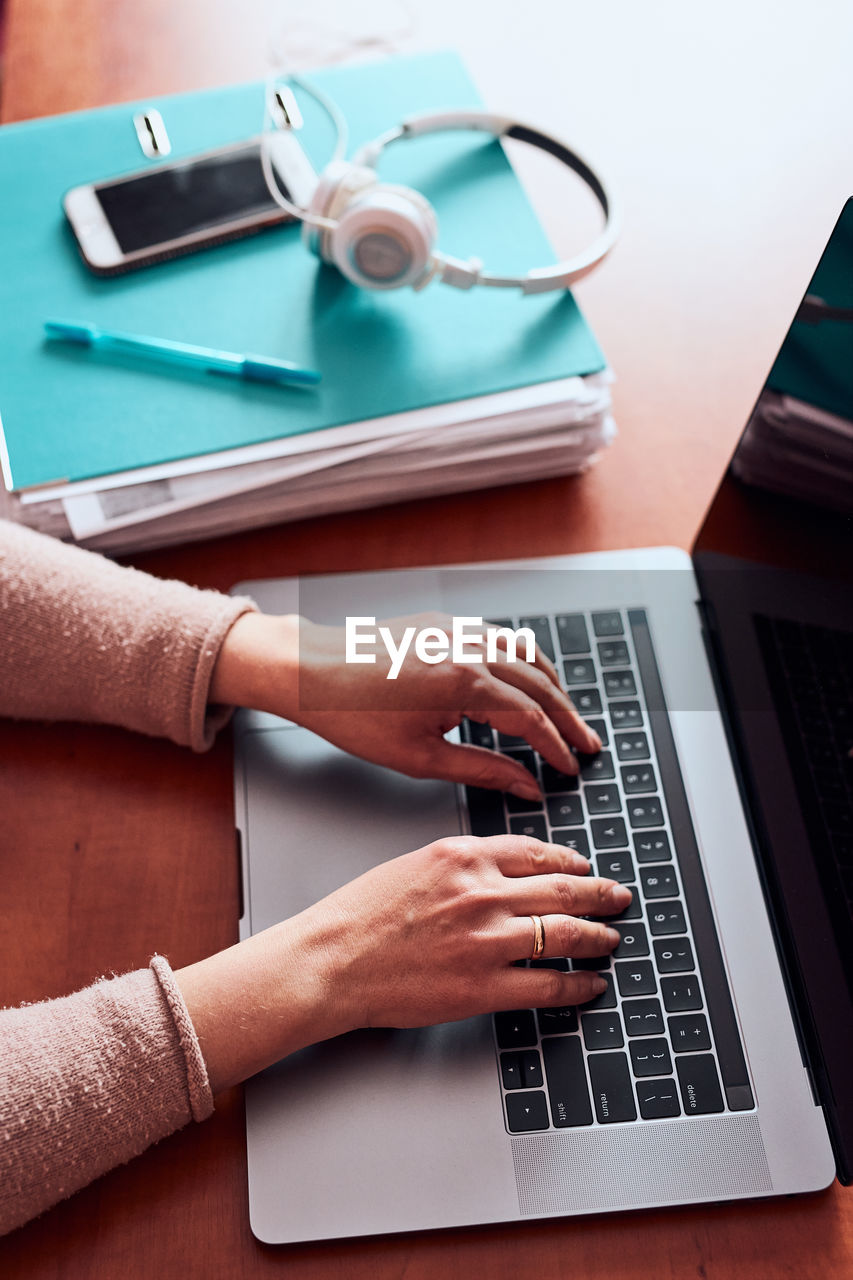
180	199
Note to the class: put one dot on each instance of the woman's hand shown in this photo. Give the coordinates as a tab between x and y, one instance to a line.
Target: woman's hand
297	669
428	937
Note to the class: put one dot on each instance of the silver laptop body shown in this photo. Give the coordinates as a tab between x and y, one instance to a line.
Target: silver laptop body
385	1131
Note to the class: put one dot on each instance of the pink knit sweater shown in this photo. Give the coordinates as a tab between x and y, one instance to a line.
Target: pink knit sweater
90	1080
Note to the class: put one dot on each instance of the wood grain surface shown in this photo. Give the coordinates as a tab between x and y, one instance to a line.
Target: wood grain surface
727	130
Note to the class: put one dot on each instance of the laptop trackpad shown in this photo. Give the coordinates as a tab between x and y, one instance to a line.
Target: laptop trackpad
344	1136
317	818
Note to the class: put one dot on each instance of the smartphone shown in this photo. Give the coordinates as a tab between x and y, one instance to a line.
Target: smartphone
188	204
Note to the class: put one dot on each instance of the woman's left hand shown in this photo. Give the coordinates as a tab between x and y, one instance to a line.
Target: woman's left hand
297	669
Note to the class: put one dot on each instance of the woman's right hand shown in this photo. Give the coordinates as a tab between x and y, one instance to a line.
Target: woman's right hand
428	937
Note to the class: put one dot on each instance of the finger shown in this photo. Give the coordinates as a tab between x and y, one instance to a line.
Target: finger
564	936
540	660
510	710
479	767
566	895
552	699
525	856
545	988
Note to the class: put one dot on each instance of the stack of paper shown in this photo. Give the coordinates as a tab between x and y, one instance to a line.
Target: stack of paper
421	393
498	439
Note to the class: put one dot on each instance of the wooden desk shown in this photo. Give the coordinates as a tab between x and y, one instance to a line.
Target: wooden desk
727	130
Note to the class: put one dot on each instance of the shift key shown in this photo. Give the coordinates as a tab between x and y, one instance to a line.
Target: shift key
567	1088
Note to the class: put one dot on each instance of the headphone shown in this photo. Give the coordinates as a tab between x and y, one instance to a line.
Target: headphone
383	236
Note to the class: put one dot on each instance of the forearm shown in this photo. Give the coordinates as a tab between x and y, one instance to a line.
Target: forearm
89	1081
82	638
264	998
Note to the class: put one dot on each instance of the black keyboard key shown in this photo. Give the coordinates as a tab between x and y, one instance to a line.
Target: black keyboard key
531	1069
619	684
602	799
689	1033
557	962
607	999
526	1111
658	1099
587	701
602	1031
645	812
597	768
526	758
572	633
565	811
478	734
638	779
532	826
511	1071
634	941
636	978
556	1021
666	918
652	846
643	1017
511	740
658	882
599	727
632	746
568	1092
608	833
614	654
611	1088
625	715
680	993
650	1057
515	1029
616	866
485	811
607	624
573	838
518	804
579	671
700	1087
592	962
674	955
541	628
554	780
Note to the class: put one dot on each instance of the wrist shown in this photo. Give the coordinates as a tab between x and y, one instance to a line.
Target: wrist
257	665
265	998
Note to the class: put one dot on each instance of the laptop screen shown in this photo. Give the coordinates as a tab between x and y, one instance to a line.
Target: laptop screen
774	559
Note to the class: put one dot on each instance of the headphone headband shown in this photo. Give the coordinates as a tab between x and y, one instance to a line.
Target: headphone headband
463	275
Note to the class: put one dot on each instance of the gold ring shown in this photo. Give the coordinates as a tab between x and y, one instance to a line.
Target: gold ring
538	938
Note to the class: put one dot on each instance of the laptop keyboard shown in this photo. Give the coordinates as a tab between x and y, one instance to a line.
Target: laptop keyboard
662	1041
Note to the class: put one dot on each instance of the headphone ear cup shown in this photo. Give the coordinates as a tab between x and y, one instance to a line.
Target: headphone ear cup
385	237
338	184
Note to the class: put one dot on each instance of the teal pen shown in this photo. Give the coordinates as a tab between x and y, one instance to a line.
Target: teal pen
252	368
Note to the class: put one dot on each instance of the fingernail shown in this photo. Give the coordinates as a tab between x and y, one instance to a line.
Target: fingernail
598	986
613	937
621	895
584	864
594	740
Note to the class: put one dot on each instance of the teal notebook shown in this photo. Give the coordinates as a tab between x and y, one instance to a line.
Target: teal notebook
68	414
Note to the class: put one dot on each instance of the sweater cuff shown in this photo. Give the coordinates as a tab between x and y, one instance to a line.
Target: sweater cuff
198	1083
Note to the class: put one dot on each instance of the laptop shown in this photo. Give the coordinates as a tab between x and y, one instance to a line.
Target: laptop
716	1065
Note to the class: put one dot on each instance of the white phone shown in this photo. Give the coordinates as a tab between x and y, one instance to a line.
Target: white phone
189	204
